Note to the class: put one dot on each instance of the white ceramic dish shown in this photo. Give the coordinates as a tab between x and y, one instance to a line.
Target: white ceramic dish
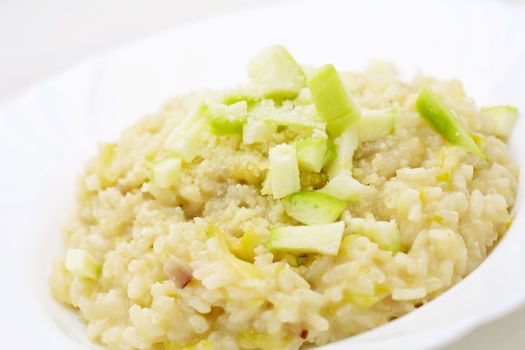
47	134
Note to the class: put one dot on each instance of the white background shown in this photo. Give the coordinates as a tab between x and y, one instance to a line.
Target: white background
38	38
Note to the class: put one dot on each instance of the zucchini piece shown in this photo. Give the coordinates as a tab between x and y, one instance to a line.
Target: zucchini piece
288	114
313	208
222	125
244	268
331	152
334	104
433	110
244	247
344	187
449	159
276	73
345	146
81	264
248	94
257	131
367	300
503	119
166	172
311	153
226	120
187	139
283	174
256	341
384	233
376	123
320	239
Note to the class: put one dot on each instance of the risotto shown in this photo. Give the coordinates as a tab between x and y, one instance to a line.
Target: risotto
304	207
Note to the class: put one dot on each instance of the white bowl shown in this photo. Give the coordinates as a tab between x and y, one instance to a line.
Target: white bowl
47	134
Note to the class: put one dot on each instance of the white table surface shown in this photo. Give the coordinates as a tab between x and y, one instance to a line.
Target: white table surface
39	38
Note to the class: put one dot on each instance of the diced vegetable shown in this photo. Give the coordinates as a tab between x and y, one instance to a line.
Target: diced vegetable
311	153
449	159
344	187
345	146
248	94
432	109
266	188
256	341
81	264
257	131
283	174
276	73
333	103
376	123
321	239
244	247
108	175
479	139
384	233
187	139
313	208
304	97
165	173
221	125
503	119
331	152
165	196
361	300
348	243
244	268
287	114
367	300
226	120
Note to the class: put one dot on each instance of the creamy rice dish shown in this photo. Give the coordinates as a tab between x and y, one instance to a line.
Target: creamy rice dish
304	207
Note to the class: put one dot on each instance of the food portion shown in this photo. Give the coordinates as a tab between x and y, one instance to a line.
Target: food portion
306	206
